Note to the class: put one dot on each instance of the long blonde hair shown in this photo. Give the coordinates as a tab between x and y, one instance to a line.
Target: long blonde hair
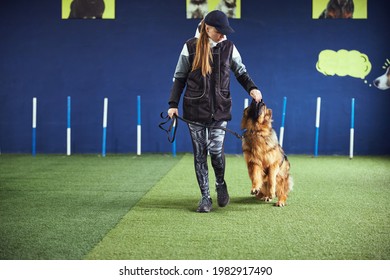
203	55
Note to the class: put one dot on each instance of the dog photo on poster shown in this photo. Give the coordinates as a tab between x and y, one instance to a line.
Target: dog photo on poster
200	8
383	81
88	9
339	9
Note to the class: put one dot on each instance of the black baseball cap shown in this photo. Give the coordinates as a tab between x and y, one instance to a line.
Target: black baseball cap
220	21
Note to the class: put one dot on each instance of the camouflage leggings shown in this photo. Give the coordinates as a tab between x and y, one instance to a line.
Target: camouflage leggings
204	140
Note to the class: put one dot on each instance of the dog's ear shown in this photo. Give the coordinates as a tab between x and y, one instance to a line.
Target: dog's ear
245	118
246	112
269	112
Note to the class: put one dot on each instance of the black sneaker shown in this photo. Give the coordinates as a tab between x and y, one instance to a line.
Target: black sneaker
222	195
205	205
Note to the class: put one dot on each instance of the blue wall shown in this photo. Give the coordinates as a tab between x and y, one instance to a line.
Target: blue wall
45	57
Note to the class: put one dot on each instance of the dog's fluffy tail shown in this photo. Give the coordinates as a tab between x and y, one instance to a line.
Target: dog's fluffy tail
290	183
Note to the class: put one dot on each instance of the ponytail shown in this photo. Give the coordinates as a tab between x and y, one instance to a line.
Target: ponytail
203	54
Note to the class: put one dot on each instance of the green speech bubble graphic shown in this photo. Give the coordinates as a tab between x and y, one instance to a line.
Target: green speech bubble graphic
342	63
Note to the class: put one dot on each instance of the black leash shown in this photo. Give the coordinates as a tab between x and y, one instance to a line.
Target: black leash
174	125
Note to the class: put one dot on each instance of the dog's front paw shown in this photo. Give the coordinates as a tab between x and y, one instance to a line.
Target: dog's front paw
260	195
255	191
269	196
264	198
280	203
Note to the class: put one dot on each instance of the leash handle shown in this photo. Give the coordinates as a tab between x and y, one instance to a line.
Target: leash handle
173	126
175	123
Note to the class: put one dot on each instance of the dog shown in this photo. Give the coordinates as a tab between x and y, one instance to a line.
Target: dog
338	9
197	9
228	7
268	166
87	9
383	82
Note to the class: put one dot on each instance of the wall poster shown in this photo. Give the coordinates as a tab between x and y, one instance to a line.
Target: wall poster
88	9
199	8
339	9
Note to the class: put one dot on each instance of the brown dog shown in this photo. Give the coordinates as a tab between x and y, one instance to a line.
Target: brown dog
268	166
338	9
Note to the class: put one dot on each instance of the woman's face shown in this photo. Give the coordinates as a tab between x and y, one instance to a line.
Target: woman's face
213	33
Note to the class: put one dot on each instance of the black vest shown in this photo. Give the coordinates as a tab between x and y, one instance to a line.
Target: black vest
208	98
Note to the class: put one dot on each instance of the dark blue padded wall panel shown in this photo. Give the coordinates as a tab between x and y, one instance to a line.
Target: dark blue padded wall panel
45	57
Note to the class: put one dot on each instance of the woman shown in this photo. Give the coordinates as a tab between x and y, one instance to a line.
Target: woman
204	69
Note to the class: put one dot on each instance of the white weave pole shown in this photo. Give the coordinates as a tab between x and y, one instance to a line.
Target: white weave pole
68	130
138	125
352	129
281	134
318	113
34	127
105	111
246	103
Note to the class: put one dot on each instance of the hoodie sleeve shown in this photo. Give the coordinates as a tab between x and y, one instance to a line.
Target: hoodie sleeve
240	72
183	67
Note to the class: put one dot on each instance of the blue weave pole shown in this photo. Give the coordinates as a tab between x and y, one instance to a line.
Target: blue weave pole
34	128
281	133
139	125
352	129
105	110
68	129
318	113
174	141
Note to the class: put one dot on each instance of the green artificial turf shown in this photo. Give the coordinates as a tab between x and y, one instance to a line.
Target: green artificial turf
338	210
58	207
129	207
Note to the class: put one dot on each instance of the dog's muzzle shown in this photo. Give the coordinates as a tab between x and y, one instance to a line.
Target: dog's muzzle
256	109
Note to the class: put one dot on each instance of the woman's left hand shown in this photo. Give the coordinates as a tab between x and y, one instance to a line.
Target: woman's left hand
256	95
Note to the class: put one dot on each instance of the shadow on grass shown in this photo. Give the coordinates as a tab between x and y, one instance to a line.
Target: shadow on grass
247	200
191	204
169	203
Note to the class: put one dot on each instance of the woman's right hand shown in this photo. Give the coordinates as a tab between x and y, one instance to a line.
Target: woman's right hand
256	95
173	111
